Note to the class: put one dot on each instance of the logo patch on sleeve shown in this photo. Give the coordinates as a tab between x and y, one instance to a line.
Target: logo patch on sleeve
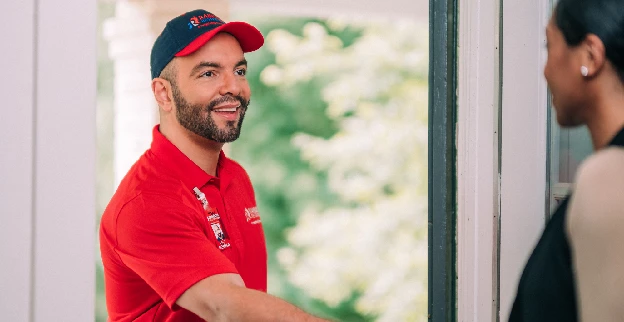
252	215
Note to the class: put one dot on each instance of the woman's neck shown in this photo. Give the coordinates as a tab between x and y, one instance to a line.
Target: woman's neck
606	122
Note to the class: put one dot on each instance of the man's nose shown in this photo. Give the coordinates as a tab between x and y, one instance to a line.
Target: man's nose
230	85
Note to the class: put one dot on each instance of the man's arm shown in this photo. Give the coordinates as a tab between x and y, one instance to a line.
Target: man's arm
224	297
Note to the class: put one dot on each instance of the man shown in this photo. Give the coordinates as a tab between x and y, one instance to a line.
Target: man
181	239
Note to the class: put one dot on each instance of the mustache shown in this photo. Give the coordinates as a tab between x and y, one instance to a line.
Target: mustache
228	99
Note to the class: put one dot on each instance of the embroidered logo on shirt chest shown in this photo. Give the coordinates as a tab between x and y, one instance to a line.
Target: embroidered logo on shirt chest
252	215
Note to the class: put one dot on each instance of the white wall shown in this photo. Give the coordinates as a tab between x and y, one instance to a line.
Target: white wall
47	135
16	159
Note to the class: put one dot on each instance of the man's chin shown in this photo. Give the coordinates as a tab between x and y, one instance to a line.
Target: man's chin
226	137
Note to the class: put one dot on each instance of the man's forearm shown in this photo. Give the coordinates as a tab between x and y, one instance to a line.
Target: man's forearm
252	305
224	297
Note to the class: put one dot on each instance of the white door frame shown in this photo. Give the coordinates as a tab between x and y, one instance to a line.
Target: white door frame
478	103
499	222
47	135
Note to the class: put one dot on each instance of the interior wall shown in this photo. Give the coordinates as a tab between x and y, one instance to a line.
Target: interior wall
16	144
47	135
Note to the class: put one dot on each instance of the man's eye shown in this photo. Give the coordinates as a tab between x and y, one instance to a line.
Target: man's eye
207	74
241	72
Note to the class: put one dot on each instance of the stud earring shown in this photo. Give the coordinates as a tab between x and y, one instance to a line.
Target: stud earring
584	71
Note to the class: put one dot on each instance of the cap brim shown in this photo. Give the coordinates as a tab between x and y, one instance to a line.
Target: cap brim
248	36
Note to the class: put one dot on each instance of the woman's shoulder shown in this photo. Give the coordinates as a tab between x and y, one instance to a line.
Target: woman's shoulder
597	202
604	166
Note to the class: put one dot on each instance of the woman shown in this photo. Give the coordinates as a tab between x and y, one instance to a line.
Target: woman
576	271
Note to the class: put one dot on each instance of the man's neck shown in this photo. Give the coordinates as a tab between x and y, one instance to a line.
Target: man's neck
203	152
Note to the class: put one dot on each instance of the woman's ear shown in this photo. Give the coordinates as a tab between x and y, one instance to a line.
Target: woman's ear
593	54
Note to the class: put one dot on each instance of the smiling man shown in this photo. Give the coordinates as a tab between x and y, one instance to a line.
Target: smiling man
182	239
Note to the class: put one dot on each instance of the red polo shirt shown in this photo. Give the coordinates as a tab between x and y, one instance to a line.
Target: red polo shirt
157	239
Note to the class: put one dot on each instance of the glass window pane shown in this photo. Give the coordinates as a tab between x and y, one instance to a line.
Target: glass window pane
574	146
567	149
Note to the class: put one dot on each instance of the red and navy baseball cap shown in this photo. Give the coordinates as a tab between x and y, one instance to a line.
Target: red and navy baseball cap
187	33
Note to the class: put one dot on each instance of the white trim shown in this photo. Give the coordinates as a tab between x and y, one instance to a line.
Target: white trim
16	158
477	159
523	155
48	183
64	244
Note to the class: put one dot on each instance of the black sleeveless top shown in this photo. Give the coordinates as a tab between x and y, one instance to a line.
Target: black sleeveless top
547	289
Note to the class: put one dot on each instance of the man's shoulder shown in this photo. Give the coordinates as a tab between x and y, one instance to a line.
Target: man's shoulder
147	184
231	163
235	168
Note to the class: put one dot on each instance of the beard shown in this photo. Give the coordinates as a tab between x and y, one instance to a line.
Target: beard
197	118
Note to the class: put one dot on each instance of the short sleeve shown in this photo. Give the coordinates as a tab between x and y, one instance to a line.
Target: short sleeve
596	232
163	241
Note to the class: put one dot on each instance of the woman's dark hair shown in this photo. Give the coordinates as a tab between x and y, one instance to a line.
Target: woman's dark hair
603	18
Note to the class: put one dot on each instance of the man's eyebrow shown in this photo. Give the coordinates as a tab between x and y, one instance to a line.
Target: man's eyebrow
242	62
204	64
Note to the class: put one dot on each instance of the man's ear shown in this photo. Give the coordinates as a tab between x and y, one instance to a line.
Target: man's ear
162	93
593	55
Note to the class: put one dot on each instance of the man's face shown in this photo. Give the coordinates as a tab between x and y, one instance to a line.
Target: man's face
211	92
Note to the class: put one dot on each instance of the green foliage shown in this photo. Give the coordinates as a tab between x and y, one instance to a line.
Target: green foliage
345	187
285	184
336	147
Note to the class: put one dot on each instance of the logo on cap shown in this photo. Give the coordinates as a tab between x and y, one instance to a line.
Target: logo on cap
194	22
204	20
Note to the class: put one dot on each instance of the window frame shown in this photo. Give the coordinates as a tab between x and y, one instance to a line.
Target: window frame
442	191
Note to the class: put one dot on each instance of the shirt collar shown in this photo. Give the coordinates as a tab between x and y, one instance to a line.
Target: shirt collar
180	165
